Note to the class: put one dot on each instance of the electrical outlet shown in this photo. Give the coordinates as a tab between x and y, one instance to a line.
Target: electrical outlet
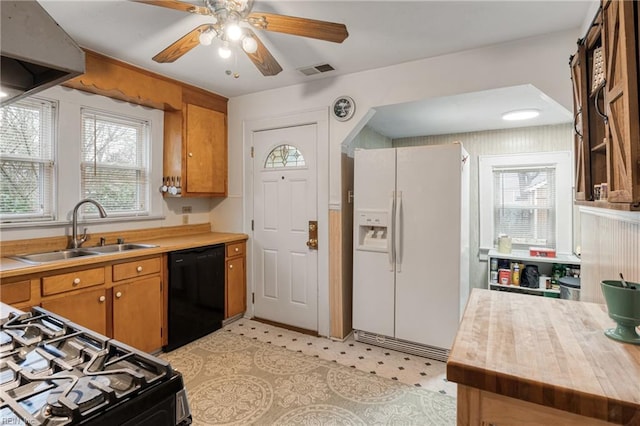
186	209
185	219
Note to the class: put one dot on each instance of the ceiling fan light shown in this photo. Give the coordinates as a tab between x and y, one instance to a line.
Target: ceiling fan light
234	32
249	44
206	37
224	51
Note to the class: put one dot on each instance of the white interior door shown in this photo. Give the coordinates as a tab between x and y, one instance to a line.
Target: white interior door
285	200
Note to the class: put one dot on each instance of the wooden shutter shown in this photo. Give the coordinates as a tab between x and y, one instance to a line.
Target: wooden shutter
621	100
581	129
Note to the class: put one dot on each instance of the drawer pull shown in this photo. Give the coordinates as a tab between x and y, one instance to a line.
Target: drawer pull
102	299
119	294
230	266
76	281
139	269
237	249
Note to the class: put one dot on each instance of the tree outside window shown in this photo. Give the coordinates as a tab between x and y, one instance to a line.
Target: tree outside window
114	169
27	163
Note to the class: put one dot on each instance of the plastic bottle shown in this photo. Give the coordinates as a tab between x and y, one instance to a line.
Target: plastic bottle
515	276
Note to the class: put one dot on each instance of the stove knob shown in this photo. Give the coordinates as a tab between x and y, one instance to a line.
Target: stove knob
119	294
102	299
139	269
76	281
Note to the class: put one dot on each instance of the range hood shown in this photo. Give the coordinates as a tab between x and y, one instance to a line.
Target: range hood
35	52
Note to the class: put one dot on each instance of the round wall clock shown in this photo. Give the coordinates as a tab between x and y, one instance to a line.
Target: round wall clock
343	108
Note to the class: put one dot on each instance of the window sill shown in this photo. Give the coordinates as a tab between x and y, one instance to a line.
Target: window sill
60	223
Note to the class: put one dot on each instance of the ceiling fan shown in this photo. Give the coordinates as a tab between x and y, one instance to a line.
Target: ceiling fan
226	15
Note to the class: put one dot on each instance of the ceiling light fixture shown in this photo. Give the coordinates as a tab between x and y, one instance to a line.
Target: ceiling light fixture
249	44
206	37
520	114
224	50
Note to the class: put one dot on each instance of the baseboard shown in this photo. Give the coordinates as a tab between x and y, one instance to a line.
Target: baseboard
399	345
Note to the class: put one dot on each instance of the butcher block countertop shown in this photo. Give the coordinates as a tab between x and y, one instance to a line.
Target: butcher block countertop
166	240
547	351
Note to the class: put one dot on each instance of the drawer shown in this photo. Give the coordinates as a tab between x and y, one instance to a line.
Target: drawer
17	292
72	281
235	249
136	268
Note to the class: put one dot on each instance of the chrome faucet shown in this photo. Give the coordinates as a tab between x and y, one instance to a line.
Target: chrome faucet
75	242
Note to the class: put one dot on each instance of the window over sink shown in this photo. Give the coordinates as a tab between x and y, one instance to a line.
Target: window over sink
114	167
117	172
27	160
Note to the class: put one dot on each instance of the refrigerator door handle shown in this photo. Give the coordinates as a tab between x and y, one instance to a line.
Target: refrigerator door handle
390	234
397	231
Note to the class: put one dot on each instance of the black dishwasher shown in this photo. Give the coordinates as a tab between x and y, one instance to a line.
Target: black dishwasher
196	294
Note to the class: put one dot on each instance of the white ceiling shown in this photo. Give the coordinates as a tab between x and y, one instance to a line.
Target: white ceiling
470	112
381	33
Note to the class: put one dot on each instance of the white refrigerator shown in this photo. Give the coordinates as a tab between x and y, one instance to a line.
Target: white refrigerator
411	246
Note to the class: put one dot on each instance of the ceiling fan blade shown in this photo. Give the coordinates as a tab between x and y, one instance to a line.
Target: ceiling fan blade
181	46
262	58
321	30
177	5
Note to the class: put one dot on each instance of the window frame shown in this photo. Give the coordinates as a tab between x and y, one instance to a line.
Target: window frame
52	214
561	160
144	190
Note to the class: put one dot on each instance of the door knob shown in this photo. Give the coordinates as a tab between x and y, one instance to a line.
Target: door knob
312	243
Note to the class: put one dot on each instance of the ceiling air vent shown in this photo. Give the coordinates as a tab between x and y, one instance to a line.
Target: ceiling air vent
316	69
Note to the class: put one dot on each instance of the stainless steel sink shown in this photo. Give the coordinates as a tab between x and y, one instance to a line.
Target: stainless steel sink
54	256
116	248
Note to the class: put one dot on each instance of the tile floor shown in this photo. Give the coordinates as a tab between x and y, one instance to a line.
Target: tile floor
410	369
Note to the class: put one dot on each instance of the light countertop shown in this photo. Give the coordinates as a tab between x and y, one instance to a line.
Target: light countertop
547	351
12	267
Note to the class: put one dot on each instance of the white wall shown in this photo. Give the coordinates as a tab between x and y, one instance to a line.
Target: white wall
541	61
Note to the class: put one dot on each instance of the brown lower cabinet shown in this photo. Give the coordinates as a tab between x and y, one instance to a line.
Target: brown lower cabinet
137	313
122	300
235	282
87	308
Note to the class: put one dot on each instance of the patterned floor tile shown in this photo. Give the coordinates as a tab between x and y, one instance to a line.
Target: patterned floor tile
409	369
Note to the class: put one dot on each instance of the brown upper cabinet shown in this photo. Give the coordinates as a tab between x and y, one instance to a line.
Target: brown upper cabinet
195	122
195	148
604	73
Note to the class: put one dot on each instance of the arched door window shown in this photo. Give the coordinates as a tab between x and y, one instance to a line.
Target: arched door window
284	156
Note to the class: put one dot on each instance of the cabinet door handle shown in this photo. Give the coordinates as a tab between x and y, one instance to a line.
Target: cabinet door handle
119	294
237	249
575	123
102	299
139	269
76	281
595	102
230	266
191	154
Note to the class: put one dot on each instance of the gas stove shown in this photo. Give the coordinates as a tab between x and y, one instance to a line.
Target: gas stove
55	372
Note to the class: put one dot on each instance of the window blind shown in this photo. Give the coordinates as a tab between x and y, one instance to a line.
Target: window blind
114	168
27	186
524	205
